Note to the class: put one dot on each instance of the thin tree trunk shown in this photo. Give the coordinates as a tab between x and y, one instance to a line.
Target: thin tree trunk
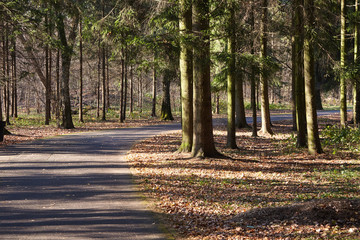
252	77
14	109
131	91
125	86
7	83
314	145
264	84
153	111
103	94
81	117
58	98
107	83
356	87
203	139
343	111
122	89
299	75
186	74
47	81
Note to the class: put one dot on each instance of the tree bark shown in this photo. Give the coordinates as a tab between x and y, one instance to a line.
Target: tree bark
166	103
314	145
231	131
240	121
264	83
81	117
343	110
252	77
153	110
203	139
67	44
299	75
186	74
356	87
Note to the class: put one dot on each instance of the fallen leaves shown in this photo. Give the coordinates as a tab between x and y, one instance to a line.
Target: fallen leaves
201	198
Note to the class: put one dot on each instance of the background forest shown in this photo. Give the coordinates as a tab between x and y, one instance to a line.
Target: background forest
111	55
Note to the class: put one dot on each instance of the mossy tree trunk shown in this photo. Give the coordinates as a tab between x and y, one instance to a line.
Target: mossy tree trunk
314	145
231	131
186	74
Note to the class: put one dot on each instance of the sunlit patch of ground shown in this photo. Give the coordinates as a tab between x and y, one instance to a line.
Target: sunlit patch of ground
243	196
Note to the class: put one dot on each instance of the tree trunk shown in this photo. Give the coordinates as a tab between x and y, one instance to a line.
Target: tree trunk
81	117
131	109
48	80
356	87
231	131
67	122
103	94
299	75
314	145
125	85
153	111
7	81
343	111
58	98
122	89
14	110
203	139
252	77
264	84
66	53
166	103
186	74
240	121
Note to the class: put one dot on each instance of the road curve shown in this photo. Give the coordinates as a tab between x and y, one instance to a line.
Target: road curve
76	186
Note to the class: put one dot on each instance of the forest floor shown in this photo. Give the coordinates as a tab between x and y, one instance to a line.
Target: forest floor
268	189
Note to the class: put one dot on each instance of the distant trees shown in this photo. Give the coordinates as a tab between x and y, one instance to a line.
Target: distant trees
95	56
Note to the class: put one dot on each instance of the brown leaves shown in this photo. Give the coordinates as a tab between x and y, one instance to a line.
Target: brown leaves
200	198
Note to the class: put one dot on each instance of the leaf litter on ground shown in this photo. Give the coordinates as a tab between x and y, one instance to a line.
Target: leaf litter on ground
265	190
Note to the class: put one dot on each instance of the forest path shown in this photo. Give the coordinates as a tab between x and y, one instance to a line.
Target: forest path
76	186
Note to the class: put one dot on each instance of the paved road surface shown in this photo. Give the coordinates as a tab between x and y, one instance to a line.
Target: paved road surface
74	187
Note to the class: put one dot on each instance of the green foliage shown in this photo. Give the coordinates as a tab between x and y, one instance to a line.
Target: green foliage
337	138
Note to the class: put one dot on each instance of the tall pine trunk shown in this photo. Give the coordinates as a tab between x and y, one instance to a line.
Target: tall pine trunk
299	73
252	76
231	131
203	139
186	74
314	145
343	110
